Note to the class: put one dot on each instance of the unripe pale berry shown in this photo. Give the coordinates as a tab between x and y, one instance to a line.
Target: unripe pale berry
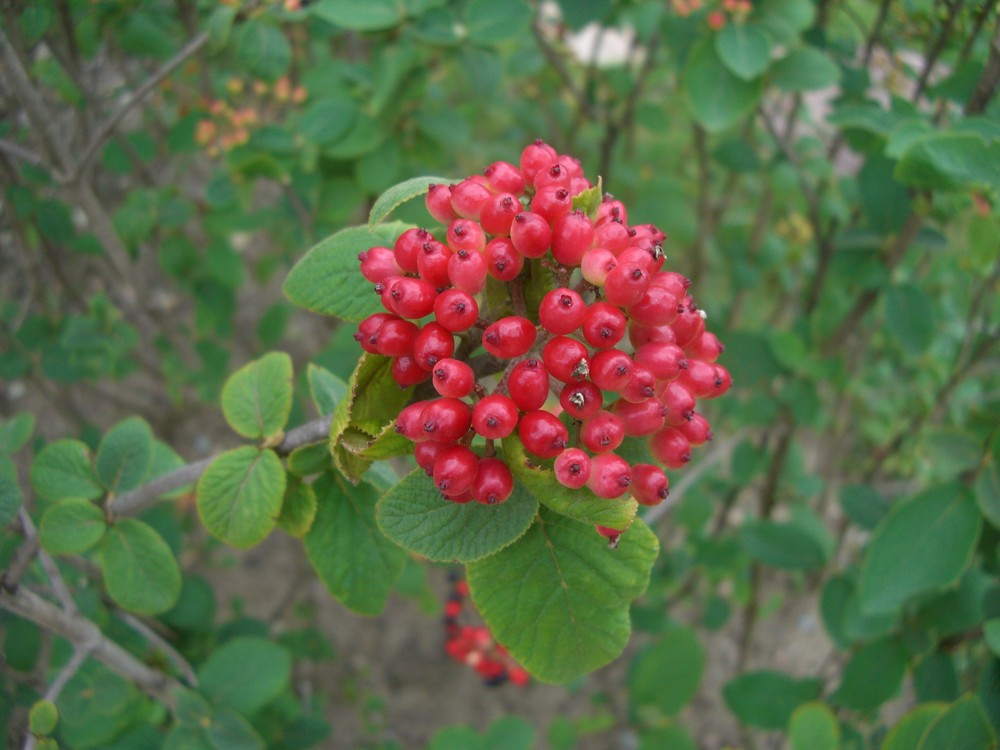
597	263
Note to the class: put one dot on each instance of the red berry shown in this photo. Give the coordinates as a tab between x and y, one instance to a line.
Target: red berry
406	372
410	423
572	237
626	283
503	262
455	310
553	174
377	263
603	325
542	433
612	535
509	337
412	298
455	470
657	307
723	382
665	361
530	234
494	482
706	347
689	323
678	400
384	290
495	416
432	263
433	343
504	177
675	283
643	418
453	378
396	338
597	263
696	429
408	244
561	311
528	384
464	234
572	468
602	433
581	400
649	484
535	156
438	202
642	386
498	213
469	196
369	328
610	209
610	475
612	235
611	369
427	453
670	447
566	359
640	334
467	270
446	420
552	202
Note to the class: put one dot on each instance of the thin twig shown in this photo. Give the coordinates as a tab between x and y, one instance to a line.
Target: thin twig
157	641
69	669
21	152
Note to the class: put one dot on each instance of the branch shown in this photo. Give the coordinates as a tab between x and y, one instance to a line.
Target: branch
154	638
52	694
20	152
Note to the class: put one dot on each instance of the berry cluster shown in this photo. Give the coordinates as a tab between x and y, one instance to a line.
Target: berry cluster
473	645
617	349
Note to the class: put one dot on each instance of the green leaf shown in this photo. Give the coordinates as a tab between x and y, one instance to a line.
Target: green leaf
666	675
589	200
943	523
43	717
310	459
670	737
399	194
328	280
718	98
218	25
909	317
325	388
11	498
863	505
873	675
190	708
299	508
386	444
263	50
987	490
767	699
415	516
63	469
125	455
372	15
885	202
357	563
991	634
782	545
804	69
908	731
961	726
15	432
950	161
745	50
813	727
230	731
558	597
240	495
509	733
257	398
326	121
140	571
71	527
245	674
582	505
489	22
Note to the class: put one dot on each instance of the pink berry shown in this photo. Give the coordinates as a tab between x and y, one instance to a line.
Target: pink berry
509	337
642	386
465	234
377	263
670	447
610	475
438	202
535	156
678	400
467	270
597	263
503	262
504	177
572	468
530	234
561	311
612	235
689	323
469	196
642	418
649	484
705	347
665	361
675	283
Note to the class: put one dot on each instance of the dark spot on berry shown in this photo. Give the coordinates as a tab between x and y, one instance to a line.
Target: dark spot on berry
463	254
555	171
459	230
500	265
683	364
507	202
648	391
625	480
395	294
566	301
492	421
631	232
492	337
562	194
606	333
605	440
440	372
662	494
621	369
363	256
637	274
520	218
575	469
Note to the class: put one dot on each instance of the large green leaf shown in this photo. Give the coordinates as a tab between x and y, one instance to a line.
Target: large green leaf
398	194
64	469
718	98
125	455
873	675
230	731
908	731
371	15
666	675
813	727
245	673
804	69
489	22
414	515
263	50
950	161
257	398
325	388
782	545
356	562
327	120
941	523
767	699
328	280
582	505
558	597
909	317
961	726
240	495
71	526
15	432
298	511
140	572
744	49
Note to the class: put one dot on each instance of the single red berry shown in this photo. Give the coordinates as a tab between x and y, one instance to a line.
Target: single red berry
509	337
433	343
377	263
535	156
542	433
642	418
640	334
495	416
612	535
531	234
453	378
603	432
675	283
406	372
572	468
612	235
467	270
504	177
465	234
409	422
597	263
465	497
438	202
456	310
498	214
696	429
611	369
640	256
553	174
610	209
528	384
610	475
369	328
396	338
581	400
427	453
649	484
408	244
657	307
665	361
455	470
642	386
552	202
503	262
494	482
678	400
561	311
670	447
384	290
469	196
723	382
626	283
566	359
699	378
412	298
445	420
689	323
432	264
603	325
572	237
706	347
